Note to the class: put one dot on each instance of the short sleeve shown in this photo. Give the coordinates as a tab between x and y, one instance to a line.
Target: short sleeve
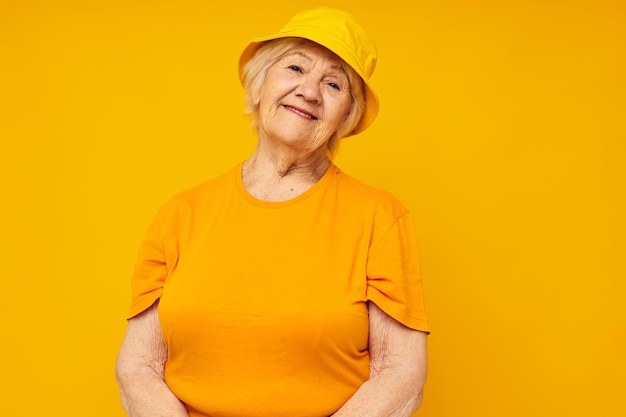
150	269
393	275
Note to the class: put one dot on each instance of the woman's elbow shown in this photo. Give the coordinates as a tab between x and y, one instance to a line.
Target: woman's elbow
419	398
122	368
416	379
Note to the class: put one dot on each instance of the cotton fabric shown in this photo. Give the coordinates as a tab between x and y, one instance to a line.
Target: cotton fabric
263	305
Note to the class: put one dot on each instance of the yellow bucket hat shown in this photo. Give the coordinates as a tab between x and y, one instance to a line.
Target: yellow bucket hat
339	32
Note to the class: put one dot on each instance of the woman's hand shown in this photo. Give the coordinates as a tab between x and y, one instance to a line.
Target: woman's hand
397	370
140	367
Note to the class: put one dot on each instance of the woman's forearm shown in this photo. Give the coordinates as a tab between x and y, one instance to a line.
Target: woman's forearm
388	394
145	394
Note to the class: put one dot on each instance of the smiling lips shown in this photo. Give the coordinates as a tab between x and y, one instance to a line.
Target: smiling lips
300	112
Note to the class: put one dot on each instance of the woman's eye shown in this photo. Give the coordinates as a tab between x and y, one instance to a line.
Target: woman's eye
335	86
295	68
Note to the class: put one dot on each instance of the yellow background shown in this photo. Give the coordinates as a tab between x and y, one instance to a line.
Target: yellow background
501	127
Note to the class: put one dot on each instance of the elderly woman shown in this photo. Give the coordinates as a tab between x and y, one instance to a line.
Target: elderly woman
283	287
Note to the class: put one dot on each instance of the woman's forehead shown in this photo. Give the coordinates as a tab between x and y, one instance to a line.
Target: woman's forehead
311	51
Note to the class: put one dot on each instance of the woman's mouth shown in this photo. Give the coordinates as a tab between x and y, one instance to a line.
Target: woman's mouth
300	112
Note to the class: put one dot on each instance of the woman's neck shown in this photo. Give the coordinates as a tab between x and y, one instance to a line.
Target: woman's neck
280	177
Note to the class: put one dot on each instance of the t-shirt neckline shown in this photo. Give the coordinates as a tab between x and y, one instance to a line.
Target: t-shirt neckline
278	204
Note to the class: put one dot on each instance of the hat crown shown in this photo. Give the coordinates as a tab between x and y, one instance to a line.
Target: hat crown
341	26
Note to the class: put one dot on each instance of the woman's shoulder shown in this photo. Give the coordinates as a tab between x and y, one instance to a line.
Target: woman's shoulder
363	193
363	189
200	194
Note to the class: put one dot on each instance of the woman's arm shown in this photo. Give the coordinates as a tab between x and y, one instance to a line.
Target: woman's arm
139	370
397	370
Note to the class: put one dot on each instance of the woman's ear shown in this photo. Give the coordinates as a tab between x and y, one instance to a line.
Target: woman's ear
255	94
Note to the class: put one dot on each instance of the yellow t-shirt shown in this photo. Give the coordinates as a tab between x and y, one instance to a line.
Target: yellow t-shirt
264	304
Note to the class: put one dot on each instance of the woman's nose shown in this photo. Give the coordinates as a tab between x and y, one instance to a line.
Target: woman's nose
309	88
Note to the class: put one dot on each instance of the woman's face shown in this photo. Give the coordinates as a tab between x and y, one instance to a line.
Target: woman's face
304	99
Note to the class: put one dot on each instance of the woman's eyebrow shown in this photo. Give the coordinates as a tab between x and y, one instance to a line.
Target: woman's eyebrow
302	54
337	68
